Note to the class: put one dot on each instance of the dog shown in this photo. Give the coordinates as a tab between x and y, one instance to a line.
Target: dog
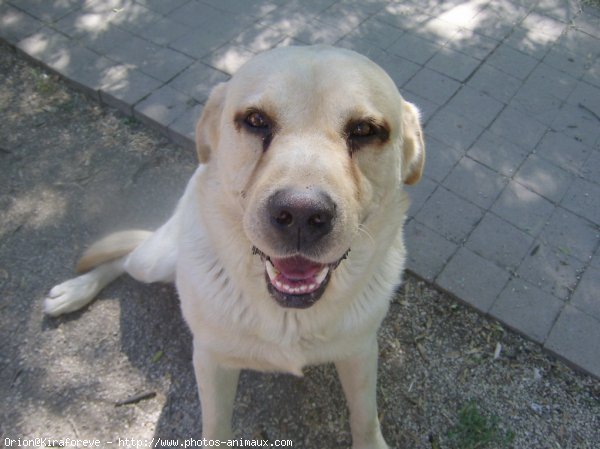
287	244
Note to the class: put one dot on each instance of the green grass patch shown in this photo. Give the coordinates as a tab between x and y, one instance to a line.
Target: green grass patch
477	431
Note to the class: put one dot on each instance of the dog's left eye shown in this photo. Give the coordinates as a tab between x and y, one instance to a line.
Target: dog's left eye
362	129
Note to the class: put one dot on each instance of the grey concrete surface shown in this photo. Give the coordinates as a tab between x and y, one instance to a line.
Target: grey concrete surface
508	216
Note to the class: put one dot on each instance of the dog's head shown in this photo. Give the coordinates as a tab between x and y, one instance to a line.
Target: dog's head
309	143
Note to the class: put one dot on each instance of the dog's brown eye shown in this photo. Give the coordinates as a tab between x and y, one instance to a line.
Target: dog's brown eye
362	129
257	120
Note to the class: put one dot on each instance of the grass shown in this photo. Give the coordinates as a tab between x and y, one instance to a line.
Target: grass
477	431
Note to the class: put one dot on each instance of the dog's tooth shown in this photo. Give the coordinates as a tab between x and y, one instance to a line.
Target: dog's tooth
322	275
303	288
271	271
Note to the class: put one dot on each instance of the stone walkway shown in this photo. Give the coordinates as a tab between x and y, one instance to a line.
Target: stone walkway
507	218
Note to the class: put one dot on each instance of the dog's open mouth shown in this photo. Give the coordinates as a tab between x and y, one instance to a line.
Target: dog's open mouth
296	281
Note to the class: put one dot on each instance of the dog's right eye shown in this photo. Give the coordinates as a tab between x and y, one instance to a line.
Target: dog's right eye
257	121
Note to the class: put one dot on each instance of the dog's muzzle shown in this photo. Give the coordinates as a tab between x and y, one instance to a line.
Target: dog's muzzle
299	220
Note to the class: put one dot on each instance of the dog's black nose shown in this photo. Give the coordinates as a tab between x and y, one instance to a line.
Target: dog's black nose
301	217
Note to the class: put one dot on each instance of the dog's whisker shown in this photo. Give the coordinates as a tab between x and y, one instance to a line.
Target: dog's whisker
362	228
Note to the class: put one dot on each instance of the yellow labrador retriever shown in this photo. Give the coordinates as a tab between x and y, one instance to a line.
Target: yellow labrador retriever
287	244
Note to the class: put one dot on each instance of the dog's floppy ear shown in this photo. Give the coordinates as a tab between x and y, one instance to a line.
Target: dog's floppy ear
413	145
207	128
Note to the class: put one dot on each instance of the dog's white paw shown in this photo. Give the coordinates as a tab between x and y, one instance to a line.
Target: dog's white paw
71	295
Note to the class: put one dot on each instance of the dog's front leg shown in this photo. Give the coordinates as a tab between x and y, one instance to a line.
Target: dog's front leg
217	386
358	375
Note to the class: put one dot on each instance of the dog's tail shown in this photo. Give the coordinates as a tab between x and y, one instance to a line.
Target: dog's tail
111	247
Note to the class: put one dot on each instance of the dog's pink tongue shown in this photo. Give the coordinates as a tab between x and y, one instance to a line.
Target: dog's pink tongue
297	268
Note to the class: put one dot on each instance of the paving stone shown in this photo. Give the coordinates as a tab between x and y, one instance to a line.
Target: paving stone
123	86
499	241
475	105
161	6
199	43
200	16
530	42
527	309
419	194
346	16
587	296
523	208
555	82
475	182
544	178
454	64
158	62
453	129
400	70
404	15
461	14
183	129
583	198
198	80
442	159
512	62
591	167
449	215
377	32
571	234
536	102
317	32
566	61
473	279
497	153
563	10
427	251
471	43
576	338
414	48
46	45
48	11
493	82
163	106
253	8
104	40
491	23
433	86
437	30
564	151
135	17
551	270
86	70
577	122
518	127
164	31
228	59
591	74
589	24
259	37
586	95
544	25
15	25
578	42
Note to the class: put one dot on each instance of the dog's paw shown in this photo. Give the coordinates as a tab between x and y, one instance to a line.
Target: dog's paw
71	295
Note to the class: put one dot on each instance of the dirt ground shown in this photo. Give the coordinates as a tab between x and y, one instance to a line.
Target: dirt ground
71	170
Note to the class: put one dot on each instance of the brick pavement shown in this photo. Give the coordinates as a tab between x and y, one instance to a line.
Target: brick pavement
507	218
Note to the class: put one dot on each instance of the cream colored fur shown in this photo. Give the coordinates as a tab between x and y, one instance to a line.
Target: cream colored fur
206	246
